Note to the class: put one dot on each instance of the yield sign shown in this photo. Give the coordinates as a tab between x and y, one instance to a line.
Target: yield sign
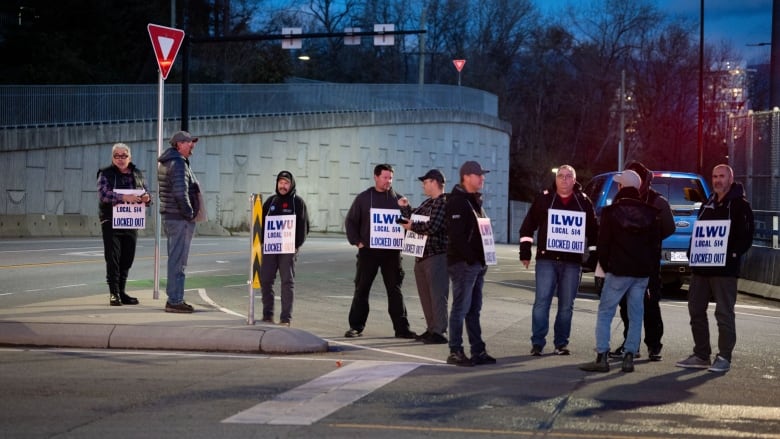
166	42
459	63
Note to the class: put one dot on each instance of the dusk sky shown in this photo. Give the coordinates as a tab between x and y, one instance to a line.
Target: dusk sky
741	22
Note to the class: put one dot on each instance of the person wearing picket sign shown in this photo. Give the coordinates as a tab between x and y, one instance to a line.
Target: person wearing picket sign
470	250
722	233
426	240
123	197
371	227
566	225
285	227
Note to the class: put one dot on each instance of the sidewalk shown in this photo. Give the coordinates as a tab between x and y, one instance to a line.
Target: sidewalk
89	322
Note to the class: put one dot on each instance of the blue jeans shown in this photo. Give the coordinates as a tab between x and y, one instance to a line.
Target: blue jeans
615	287
562	280
179	237
467	282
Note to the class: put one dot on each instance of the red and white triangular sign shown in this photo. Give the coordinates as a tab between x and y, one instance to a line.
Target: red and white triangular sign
459	63
166	42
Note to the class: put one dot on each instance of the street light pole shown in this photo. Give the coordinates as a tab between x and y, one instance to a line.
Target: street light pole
700	131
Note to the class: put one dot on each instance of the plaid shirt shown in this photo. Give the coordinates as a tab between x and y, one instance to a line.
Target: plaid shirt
435	227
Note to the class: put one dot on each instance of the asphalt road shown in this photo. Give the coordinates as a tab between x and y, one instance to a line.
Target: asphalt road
373	386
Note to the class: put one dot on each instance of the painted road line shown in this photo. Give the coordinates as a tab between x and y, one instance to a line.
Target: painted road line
322	396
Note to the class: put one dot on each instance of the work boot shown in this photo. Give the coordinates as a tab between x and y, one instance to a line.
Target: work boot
628	362
113	296
600	365
123	297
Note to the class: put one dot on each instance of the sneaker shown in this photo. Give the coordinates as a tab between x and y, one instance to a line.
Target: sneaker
406	334
181	308
435	338
720	365
482	358
693	362
459	359
617	353
284	323
655	354
621	352
536	350
351	333
268	320
561	350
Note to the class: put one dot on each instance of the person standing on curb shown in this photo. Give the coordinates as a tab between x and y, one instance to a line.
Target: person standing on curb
558	256
654	324
466	265
179	207
285	226
428	225
729	213
120	183
628	247
371	227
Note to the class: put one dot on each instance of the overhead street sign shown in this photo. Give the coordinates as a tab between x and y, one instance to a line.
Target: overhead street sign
166	42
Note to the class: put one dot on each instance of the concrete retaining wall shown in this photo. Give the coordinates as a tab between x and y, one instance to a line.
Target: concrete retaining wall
48	187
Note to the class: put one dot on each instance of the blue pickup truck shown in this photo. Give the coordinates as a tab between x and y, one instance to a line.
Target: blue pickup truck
685	192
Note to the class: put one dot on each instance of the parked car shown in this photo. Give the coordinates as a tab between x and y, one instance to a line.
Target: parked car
685	192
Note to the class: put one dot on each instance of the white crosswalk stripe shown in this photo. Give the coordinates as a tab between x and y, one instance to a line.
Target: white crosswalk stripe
322	396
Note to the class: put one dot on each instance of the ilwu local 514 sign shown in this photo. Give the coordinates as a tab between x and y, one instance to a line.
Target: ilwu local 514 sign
709	243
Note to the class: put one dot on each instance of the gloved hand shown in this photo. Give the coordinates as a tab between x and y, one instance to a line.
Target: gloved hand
525	251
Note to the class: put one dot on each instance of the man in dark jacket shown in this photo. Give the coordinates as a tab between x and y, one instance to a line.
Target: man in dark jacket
726	209
371	227
466	265
558	255
654	324
179	206
285	226
628	251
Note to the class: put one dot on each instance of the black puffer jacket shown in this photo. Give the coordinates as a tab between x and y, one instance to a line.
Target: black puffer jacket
178	187
735	207
629	236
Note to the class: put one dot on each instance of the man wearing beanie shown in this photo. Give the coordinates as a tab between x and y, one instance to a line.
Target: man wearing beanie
285	226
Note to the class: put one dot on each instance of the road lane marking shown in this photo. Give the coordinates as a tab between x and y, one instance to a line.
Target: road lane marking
310	402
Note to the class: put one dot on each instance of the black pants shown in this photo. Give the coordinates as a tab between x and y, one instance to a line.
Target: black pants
654	324
369	262
119	252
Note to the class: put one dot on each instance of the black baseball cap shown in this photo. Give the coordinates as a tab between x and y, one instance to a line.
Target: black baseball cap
434	174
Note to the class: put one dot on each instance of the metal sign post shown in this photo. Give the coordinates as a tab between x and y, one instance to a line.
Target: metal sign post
165	43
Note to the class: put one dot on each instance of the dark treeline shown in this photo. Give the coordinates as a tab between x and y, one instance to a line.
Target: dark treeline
558	78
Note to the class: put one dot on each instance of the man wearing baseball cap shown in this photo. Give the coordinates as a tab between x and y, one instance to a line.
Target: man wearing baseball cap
179	207
466	265
628	245
430	267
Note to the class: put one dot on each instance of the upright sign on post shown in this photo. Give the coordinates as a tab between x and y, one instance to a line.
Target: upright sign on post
166	42
459	63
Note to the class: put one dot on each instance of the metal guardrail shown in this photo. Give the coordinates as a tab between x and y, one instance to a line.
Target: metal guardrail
62	105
